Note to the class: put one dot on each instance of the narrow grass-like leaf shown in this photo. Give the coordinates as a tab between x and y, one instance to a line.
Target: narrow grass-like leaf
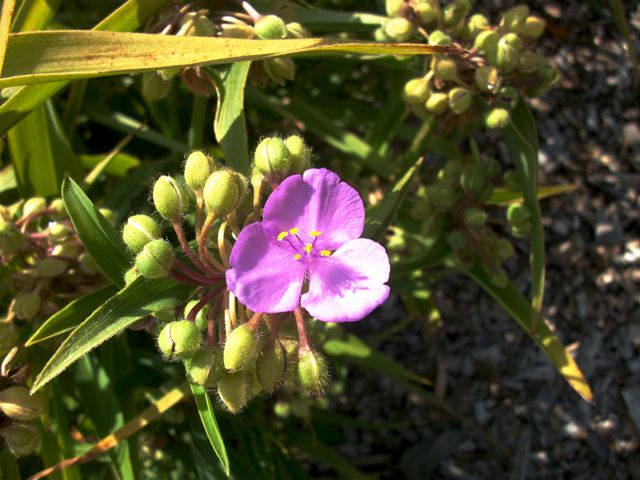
6	14
138	299
100	238
522	139
230	126
8	179
9	464
48	56
119	166
504	197
208	418
41	154
129	16
623	26
34	15
196	126
72	315
103	164
433	255
520	309
321	20
385	212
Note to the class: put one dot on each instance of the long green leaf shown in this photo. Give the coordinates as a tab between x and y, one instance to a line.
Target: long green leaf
101	239
7	179
502	196
318	19
129	16
41	154
119	166
48	56
6	14
385	212
522	139
138	299
34	15
230	126
67	319
208	418
520	309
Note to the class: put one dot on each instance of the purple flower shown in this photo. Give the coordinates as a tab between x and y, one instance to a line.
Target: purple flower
310	234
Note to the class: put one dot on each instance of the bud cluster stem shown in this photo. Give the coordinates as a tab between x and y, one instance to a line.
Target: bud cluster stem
302	332
177	227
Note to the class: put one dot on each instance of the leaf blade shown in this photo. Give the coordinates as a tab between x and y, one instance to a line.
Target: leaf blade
210	425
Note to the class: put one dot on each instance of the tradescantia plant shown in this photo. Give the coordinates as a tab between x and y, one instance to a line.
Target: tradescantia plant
242	266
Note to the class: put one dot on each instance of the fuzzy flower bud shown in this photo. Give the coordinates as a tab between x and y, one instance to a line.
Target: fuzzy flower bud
59	231
474	217
393	7
272	157
533	27
427	14
270	27
33	205
280	69
514	19
508	52
446	68
296	30
18	404
179	340
300	154
140	230
477	24
518	213
416	90
234	390
439	38
399	29
313	372
155	259
57	205
486	41
459	100
497	118
205	367
241	348
21	438
197	169
441	196
437	103
452	14
223	192
487	79
50	267
27	305
154	86
527	62
170	198
271	365
456	239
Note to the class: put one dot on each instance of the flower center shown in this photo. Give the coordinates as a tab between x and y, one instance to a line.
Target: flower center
293	237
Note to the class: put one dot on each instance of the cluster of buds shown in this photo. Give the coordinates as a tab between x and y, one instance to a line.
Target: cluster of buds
220	342
454	205
485	82
202	23
18	412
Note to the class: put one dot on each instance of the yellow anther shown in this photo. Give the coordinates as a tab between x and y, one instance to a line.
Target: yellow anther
297	256
307	248
315	233
282	236
325	253
294	230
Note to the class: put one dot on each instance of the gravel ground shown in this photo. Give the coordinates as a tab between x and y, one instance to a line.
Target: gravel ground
483	364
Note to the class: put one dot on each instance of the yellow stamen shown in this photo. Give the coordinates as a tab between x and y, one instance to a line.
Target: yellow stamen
282	236
294	230
297	256
325	253
307	248
315	233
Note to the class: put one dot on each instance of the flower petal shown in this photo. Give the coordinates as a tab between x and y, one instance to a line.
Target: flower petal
349	284
317	201
264	276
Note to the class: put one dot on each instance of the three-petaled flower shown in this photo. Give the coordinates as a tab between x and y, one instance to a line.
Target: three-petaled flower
309	240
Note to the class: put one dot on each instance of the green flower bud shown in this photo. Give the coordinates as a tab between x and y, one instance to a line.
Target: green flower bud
512	40
59	231
241	348
504	248
170	198
167	74
394	7
10	238
452	14
514	19
527	62
18	404
477	23
236	30
197	169
379	35
499	278
34	205
439	38
416	90
427	14
197	25
446	68
179	340
256	387
280	69
509	95
473	179
155	259
521	229
27	305
130	275
57	205
282	409
474	217
270	27
497	118
154	87
8	336
511	181
140	230
271	365
518	213
487	79
50	267
313	372
201	320
437	103
205	367
441	196
399	29
486	41
272	157
223	192
456	239
296	30
508	53
459	100
66	250
234	390
300	154
533	27
21	438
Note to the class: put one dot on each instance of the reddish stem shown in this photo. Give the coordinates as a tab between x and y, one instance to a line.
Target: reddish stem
202	279
302	332
177	227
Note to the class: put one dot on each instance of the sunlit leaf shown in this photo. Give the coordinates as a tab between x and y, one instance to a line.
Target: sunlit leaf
208	419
